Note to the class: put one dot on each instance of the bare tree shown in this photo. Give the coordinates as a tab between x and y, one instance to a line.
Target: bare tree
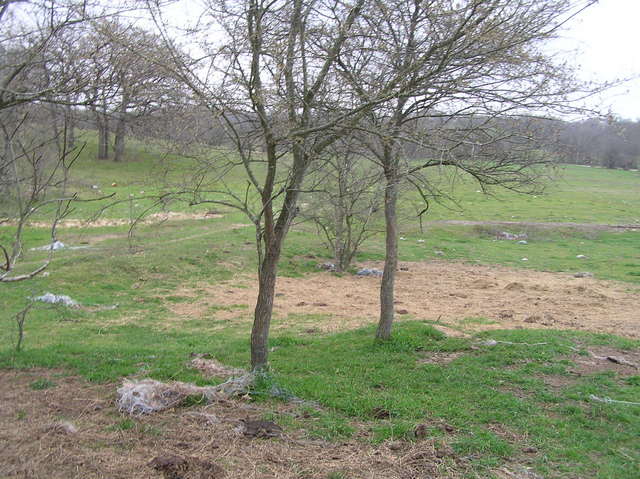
467	68
34	70
289	79
126	85
344	200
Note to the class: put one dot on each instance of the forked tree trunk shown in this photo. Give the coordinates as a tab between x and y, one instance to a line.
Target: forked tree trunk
391	257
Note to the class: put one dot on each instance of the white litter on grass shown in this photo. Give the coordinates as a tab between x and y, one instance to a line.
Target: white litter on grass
525	259
56	245
420	241
57	299
522	242
581	256
148	396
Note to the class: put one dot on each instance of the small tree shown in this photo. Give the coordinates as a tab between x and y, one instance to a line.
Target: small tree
345	202
474	77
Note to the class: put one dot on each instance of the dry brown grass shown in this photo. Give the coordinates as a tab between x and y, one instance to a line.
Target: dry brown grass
102	449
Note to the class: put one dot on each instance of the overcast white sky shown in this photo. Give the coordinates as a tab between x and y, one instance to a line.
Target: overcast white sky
608	38
604	42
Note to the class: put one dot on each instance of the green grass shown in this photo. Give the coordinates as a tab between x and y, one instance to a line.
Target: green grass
577	194
474	394
495	399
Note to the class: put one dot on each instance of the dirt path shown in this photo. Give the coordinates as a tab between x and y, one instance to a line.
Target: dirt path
529	224
461	296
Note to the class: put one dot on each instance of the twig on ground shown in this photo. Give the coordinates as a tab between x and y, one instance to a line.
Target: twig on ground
493	342
608	400
614	359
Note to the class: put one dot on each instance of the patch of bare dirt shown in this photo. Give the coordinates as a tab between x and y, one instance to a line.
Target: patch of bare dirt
435	357
440	291
101	222
604	358
72	430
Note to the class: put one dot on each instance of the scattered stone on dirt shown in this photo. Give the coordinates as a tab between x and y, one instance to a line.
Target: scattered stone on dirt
422	431
369	272
327	266
506	314
203	417
505	235
438	357
514	286
257	428
530	450
558	381
62	427
459	295
396	445
380	413
210	367
402	311
534	318
176	467
482	284
583	274
51	298
517	472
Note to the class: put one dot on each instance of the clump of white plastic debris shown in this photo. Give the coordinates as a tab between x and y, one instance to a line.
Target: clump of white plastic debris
56	245
57	299
148	395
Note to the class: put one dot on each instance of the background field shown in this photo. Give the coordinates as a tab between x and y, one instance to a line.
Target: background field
503	406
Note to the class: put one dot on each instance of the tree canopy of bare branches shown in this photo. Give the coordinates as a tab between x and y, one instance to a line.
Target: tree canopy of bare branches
289	79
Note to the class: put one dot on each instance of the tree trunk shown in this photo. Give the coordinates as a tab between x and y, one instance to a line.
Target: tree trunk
339	242
391	257
121	130
71	127
102	124
264	308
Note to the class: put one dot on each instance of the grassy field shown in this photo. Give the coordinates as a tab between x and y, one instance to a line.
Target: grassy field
508	404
